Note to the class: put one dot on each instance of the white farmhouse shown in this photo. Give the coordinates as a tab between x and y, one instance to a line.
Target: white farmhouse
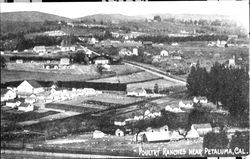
202	100
124	52
29	87
119	123
19	61
39	49
90	91
98	134
64	61
192	134
119	132
164	53
202	129
174	44
26	107
7	94
101	60
183	104
13	104
137	92
68	48
135	51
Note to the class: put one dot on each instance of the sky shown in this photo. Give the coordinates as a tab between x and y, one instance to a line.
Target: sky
239	10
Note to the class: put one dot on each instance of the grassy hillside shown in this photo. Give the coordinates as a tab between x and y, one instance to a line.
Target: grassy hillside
31	16
109	18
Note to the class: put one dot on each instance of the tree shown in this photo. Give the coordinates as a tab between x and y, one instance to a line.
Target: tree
197	81
228	85
215	83
240	140
3	62
100	68
191	84
107	35
156	88
105	122
142	124
157	18
235	95
79	57
196	116
215	140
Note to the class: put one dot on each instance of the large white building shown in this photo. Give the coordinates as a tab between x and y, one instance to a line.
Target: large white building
29	87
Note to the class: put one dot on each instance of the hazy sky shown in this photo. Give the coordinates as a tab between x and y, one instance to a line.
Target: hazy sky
239	10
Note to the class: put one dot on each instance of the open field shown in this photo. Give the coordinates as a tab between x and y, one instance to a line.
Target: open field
13	75
124	69
130	78
82	101
38	67
76	68
47	118
17	116
16	72
162	83
118	145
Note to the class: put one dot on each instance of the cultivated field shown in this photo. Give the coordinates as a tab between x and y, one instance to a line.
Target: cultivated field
82	101
119	145
124	69
130	78
38	67
162	83
14	75
18	116
15	72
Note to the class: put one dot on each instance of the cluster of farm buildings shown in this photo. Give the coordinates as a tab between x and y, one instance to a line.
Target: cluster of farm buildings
162	134
29	92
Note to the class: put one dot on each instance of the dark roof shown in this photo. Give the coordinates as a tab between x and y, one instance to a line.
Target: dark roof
201	98
147	42
34	83
4	91
102	57
24	105
51	64
202	126
137	90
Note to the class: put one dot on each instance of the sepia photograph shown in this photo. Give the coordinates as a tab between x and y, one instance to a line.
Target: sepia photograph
124	79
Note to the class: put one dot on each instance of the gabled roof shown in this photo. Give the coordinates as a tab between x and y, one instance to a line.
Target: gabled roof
202	126
39	47
34	83
201	98
24	105
69	45
4	91
157	136
147	42
186	102
137	90
100	58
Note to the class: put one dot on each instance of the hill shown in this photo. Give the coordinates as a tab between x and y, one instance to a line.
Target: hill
122	18
186	16
31	16
109	18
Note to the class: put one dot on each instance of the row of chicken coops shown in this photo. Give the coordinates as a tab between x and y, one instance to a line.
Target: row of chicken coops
66	94
147	115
